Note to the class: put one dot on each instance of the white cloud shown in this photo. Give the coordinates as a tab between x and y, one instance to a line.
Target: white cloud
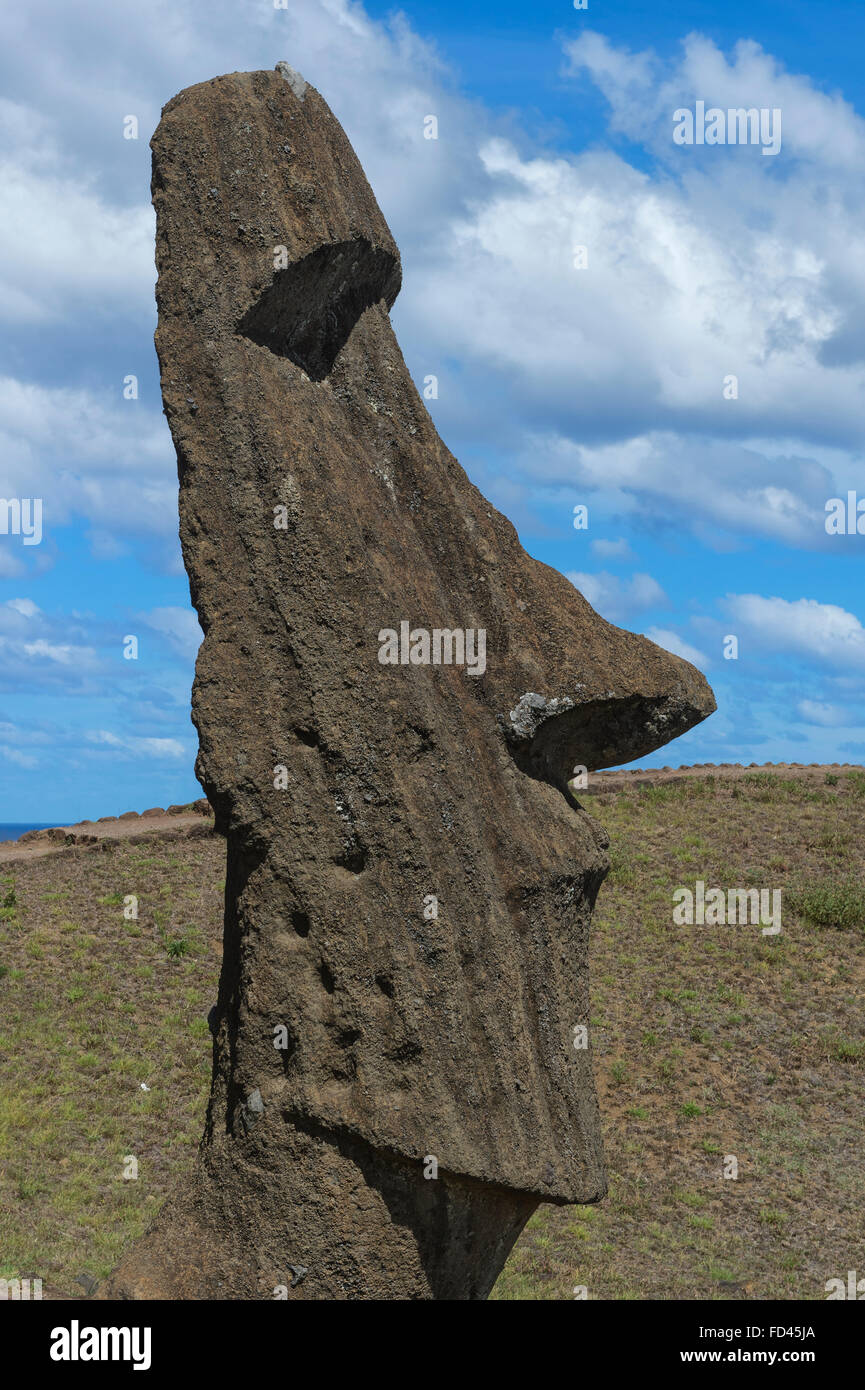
703	486
15	741
25	606
643	94
672	642
702	264
139	747
10	564
616	598
38	650
613	550
826	715
14	755
85	455
62	653
180	626
64	250
704	267
822	632
677	295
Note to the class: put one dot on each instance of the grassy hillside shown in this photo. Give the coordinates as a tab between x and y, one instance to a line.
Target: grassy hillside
708	1042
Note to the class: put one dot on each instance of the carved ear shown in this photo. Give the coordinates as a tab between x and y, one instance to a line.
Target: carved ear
309	309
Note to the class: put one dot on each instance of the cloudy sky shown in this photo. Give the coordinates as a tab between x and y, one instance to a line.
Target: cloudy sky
560	383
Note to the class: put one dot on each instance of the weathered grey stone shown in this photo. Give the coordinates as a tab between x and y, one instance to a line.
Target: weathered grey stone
409	883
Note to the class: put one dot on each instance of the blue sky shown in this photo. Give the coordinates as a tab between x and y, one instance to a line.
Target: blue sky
558	386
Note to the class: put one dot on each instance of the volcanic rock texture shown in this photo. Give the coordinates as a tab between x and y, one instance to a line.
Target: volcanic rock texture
409	881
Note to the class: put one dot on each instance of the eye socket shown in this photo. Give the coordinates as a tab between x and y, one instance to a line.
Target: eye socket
309	309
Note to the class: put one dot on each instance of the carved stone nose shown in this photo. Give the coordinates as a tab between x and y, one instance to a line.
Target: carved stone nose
551	738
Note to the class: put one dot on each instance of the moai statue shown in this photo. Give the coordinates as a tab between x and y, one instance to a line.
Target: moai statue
391	699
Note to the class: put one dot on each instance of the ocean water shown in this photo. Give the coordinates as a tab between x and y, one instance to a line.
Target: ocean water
15	831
